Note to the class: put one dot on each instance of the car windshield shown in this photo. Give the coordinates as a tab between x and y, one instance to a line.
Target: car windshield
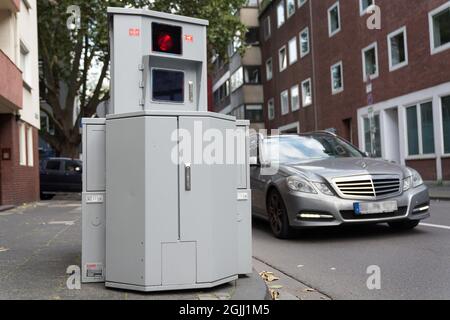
295	149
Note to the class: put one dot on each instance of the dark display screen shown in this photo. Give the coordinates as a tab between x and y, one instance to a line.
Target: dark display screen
168	85
166	39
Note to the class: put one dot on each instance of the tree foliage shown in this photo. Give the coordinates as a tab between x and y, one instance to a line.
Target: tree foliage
75	63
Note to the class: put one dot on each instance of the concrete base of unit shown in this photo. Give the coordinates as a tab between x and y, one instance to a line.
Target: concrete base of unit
131	287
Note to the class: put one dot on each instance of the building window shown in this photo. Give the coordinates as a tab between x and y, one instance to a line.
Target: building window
293	56
364	5
334	20
420	128
281	19
295	98
282	58
252	75
398	49
337	78
25	63
254	113
267	27
271	109
301	3
237	79
372	136
304	42
306	93
290	8
252	3
222	93
370	62
239	112
440	28
30	150
252	37
446	123
236	44
22	145
269	69
285	102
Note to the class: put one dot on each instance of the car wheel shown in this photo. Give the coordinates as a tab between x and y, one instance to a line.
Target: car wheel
278	216
404	225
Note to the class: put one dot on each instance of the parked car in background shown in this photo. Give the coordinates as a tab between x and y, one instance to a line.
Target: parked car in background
323	180
60	175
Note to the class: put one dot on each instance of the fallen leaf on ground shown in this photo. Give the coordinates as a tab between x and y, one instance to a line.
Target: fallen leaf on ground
309	290
3	249
275	294
268	276
276	287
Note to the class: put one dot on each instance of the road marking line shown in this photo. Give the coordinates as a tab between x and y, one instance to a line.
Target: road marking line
65	223
435	226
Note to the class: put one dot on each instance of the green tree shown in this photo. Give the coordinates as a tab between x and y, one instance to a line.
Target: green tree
75	63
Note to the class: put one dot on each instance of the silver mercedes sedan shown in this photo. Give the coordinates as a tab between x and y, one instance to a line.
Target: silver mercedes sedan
319	179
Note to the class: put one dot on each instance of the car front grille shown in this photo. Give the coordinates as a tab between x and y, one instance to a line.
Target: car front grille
368	187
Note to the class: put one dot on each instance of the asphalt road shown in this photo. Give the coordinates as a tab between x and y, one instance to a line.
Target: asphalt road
413	264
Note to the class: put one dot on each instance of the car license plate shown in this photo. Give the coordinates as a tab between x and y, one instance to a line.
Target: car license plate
375	207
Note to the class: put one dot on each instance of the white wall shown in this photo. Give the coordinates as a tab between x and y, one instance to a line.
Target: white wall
28	35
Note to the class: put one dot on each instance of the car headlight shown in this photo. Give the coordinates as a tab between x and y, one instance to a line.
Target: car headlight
413	181
323	187
298	184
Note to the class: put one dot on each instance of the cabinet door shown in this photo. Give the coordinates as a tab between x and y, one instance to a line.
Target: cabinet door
208	209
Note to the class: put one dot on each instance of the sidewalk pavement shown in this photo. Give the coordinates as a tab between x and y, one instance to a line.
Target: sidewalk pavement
38	242
439	192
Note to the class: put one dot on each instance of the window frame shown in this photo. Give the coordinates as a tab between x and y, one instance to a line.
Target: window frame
281	4
393	34
362	11
330	32
287	9
363	51
288	110
341	89
294	47
271	106
293	107
301	3
421	155
302	55
431	14
441	116
267	27
281	69
30	147
22	144
304	105
271	69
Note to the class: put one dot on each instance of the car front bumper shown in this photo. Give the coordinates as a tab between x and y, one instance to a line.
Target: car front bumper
335	211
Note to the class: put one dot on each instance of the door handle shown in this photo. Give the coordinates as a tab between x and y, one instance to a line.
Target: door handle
187	176
191	91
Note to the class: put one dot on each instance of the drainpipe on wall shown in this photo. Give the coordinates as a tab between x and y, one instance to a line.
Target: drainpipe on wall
315	104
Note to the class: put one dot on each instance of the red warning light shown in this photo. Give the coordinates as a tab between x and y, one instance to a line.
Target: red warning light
165	42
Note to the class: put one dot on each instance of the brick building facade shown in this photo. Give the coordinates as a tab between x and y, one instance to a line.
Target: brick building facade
387	90
19	102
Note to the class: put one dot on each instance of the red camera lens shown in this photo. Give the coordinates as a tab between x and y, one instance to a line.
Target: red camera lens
165	42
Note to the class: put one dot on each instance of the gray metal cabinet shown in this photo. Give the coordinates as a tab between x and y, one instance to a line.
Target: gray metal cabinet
165	232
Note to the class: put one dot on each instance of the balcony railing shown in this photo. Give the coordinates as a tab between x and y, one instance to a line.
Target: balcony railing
11	83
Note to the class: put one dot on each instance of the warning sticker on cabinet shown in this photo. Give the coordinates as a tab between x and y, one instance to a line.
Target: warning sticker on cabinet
94	270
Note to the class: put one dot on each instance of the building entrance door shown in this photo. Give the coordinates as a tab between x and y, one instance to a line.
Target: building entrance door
391	135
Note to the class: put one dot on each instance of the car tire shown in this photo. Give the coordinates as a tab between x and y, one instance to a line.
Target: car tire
404	225
45	196
278	216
